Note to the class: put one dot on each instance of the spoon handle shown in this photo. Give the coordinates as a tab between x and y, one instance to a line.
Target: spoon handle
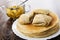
23	2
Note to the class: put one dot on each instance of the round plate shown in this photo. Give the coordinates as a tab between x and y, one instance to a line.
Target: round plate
28	38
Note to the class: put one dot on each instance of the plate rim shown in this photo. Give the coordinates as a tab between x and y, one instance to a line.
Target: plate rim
19	34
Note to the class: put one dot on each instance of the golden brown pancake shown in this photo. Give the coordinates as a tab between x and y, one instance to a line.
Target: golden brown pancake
40	34
33	31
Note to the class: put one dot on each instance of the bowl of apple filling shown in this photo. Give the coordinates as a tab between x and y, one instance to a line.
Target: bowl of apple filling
38	23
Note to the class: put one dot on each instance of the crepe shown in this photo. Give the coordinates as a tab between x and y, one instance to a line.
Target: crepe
25	18
39	31
41	20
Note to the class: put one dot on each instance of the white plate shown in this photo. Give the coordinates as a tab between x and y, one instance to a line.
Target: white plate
28	38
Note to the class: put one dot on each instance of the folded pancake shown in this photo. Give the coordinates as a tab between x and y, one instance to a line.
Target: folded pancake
41	11
41	20
25	18
40	31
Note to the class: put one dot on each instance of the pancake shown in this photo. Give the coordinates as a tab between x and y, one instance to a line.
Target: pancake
39	31
41	34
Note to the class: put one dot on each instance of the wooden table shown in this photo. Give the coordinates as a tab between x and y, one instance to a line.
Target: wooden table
6	32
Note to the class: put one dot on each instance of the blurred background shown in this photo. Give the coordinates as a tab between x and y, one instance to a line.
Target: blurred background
53	5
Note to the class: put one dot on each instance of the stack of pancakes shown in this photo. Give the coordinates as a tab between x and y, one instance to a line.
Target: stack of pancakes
39	31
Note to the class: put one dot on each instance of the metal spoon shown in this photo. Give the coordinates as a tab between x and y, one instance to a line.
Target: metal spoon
23	2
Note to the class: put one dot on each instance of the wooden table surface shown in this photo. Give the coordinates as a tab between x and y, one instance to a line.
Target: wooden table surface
6	32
